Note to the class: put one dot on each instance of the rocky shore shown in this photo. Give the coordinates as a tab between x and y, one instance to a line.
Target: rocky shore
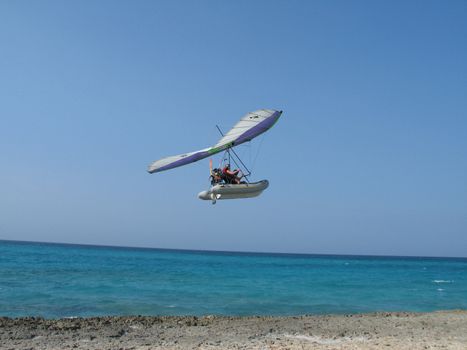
437	330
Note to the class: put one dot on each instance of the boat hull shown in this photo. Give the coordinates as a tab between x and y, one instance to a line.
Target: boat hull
234	191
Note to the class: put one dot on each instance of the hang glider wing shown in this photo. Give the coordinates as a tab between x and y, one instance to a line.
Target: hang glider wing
250	126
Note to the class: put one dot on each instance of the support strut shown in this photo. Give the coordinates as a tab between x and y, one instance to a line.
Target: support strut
236	156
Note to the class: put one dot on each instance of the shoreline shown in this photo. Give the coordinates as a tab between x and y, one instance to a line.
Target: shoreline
380	330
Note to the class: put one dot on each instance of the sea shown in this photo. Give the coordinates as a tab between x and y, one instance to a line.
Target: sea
62	280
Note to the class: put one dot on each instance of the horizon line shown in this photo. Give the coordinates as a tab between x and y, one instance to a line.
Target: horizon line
231	251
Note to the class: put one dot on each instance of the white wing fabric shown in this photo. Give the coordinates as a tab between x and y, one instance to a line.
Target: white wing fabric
250	126
245	129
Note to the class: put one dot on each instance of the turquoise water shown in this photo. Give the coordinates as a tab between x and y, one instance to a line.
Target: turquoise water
56	280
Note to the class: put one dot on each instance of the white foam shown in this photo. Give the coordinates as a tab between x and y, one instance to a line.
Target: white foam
440	289
442	281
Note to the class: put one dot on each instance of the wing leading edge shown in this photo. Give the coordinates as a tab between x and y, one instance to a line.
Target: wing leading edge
251	125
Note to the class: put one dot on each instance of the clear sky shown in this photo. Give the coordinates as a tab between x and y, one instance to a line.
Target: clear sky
369	157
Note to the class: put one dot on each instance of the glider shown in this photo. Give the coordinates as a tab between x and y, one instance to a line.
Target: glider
250	126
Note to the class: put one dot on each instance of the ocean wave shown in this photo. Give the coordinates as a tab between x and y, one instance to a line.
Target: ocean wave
442	281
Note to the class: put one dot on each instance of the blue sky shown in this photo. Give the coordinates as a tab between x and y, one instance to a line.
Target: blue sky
369	157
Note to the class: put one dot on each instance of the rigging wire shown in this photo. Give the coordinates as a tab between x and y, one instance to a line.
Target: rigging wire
235	158
257	152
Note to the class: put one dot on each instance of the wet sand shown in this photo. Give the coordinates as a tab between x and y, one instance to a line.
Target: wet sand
436	330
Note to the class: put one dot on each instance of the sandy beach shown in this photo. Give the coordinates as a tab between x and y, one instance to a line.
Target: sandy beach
437	330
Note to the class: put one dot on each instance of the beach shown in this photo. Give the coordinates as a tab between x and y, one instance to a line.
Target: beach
397	330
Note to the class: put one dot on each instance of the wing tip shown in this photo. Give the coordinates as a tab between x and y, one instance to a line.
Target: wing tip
151	169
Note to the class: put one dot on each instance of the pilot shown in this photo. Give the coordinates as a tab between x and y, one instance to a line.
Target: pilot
216	176
231	177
